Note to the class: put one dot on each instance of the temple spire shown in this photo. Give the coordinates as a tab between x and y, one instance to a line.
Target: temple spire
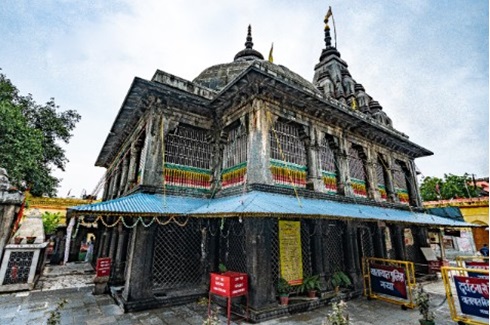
329	48
249	44
248	54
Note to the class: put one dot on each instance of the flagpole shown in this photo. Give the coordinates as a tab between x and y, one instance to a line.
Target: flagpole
334	30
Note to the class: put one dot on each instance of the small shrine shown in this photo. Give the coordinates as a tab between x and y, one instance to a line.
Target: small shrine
24	255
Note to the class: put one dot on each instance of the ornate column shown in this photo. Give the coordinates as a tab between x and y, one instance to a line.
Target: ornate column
314	178
343	186
133	163
416	199
117	181
379	247
139	278
317	252
398	242
258	144
351	254
258	243
120	257
113	242
370	176
390	187
124	175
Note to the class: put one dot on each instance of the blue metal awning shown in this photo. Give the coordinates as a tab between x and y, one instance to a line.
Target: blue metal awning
142	204
256	203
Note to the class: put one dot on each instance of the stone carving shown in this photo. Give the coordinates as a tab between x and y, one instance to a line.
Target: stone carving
4	181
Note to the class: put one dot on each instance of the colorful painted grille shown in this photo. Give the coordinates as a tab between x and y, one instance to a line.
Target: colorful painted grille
357	175
187	177
380	176
328	166
234	176
401	189
288	174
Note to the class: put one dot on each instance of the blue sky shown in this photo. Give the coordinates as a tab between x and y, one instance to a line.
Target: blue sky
426	62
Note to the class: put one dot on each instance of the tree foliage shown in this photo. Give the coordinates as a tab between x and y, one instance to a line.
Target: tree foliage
51	221
30	137
451	187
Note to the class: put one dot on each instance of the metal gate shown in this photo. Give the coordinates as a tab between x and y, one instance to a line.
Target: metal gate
177	260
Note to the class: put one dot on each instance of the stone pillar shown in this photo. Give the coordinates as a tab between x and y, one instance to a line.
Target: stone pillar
390	183
110	188
153	168
314	180
415	199
139	280
258	243
343	187
379	247
77	243
107	186
113	242
317	249
115	184
369	167
107	242
398	242
124	175
133	165
120	257
260	122
351	255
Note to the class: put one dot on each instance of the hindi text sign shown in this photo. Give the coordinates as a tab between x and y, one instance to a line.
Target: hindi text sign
229	284
103	267
472	295
290	251
477	266
388	280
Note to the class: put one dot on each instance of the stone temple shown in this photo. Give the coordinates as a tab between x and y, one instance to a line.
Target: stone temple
211	171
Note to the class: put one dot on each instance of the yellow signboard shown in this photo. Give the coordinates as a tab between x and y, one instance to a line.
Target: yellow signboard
290	251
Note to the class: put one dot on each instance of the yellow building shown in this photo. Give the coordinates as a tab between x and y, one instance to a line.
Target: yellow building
53	205
474	210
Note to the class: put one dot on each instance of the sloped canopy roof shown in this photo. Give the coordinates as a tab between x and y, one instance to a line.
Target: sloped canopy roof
257	204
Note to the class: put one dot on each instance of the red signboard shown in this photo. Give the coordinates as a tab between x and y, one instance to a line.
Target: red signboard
229	284
103	267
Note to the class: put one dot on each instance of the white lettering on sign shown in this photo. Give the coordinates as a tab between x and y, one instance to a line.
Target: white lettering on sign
387	285
466	287
219	289
238	285
238	291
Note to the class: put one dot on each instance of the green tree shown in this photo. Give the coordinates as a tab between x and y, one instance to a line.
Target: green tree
51	221
451	187
30	139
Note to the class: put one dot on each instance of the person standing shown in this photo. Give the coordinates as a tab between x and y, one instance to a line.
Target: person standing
484	250
90	250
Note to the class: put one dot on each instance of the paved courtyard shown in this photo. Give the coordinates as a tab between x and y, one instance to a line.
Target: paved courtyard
73	284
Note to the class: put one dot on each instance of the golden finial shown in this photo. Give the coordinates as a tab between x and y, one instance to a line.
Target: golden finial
327	16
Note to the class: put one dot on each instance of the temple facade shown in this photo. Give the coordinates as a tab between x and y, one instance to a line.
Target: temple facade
212	171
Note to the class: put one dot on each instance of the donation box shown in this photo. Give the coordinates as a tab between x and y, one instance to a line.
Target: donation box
229	284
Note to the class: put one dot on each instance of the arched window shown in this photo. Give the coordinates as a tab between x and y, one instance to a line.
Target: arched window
288	154
235	157
357	171
328	164
187	158
400	183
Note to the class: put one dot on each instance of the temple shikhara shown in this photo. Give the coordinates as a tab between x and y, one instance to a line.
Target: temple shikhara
251	166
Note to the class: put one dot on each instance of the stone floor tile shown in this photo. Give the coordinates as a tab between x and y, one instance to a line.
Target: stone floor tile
101	320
